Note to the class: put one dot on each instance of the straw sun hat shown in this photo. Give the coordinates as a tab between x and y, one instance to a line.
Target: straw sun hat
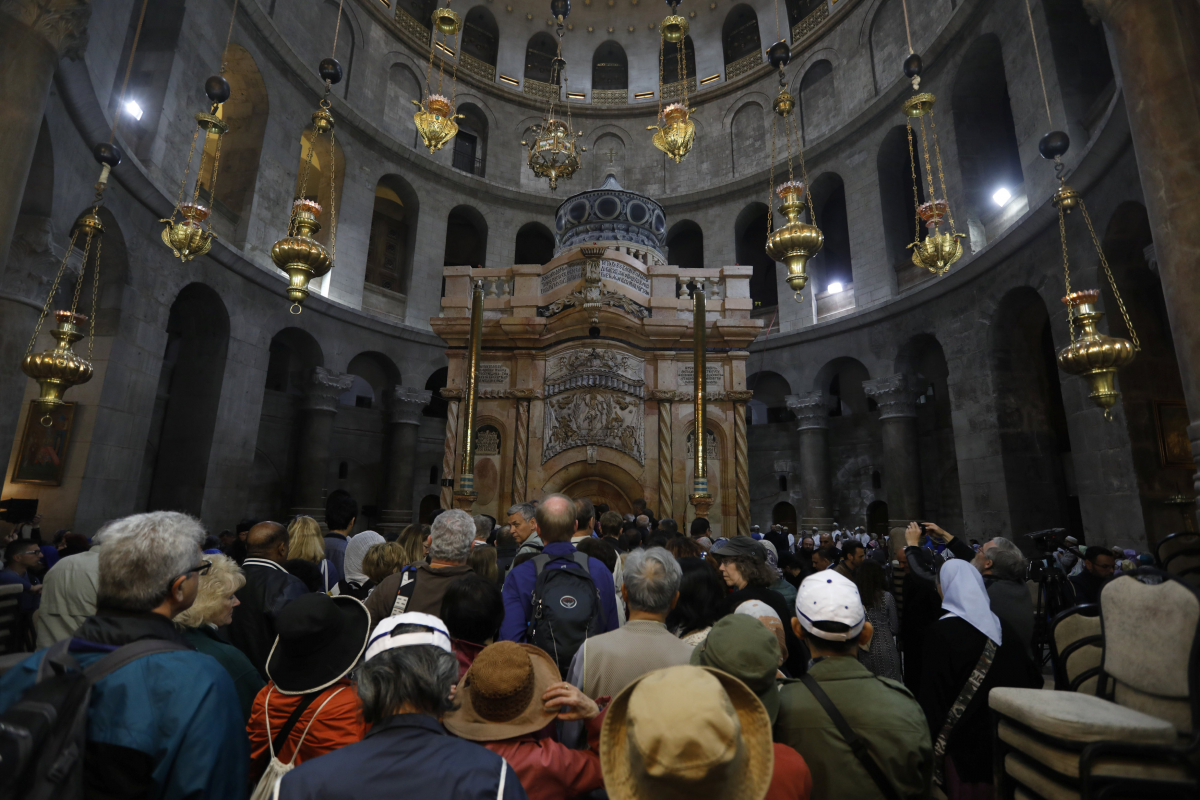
687	732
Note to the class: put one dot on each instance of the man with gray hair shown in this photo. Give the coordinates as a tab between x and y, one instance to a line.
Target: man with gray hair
607	663
1003	566
420	587
524	528
162	719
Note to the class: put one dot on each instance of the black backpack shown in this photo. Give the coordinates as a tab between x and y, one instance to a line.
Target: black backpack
566	607
43	735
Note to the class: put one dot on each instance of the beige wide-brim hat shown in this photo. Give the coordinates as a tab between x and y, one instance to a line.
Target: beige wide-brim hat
687	732
501	695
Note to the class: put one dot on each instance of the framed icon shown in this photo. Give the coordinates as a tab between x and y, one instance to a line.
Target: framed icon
42	458
1171	419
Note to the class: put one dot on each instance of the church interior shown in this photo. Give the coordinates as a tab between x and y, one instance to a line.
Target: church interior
897	261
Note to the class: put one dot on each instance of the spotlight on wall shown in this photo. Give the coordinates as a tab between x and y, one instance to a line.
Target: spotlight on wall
835	287
133	109
1001	197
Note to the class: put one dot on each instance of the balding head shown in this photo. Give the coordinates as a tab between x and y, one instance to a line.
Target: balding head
555	518
267	540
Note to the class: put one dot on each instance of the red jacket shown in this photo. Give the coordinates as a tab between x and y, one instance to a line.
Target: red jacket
550	770
791	779
339	724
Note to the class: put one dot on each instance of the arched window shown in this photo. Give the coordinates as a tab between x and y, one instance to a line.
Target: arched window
466	238
323	41
317	185
610	68
799	9
480	36
988	156
769	403
539	54
739	39
470	144
896	167
535	244
747	133
403	88
818	101
889	45
685	245
750	232
393	225
293	355
245	112
670	59
150	73
830	268
438	406
1085	73
608	158
420	10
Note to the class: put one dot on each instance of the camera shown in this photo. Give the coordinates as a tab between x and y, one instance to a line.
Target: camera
1049	540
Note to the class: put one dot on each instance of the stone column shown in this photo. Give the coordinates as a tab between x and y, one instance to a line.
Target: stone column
666	487
448	466
404	418
897	401
34	35
520	470
741	458
1156	52
320	406
812	414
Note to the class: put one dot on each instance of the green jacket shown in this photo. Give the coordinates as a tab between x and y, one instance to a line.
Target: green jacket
879	710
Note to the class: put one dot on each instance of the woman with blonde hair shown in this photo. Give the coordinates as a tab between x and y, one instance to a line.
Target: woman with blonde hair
413	539
382	560
215	600
305	543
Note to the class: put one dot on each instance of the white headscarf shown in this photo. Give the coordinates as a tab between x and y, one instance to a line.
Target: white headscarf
964	596
356	548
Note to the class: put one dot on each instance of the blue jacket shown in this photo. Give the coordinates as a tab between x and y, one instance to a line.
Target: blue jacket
168	726
335	552
410	756
518	590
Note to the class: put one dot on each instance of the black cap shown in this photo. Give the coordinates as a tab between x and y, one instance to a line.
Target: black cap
330	70
217	89
739	546
1054	144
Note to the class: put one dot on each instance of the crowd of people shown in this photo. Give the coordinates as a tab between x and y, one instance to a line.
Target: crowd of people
564	651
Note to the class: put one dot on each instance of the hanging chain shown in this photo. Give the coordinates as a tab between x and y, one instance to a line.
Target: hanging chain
228	38
1137	346
62	268
937	151
662	46
312	146
95	296
771	178
812	212
212	186
1037	56
1062	235
137	35
912	165
187	171
87	247
332	197
907	31
457	58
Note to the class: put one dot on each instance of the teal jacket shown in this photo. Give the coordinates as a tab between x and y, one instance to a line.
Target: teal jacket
879	710
167	726
245	677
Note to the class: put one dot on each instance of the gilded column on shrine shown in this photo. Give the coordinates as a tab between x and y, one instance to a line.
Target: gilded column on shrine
897	399
812	418
404	418
319	406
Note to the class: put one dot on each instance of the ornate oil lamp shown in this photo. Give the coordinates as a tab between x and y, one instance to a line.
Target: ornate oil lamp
677	133
794	242
1091	354
299	254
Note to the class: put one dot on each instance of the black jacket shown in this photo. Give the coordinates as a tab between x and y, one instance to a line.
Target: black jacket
269	587
922	605
1087	587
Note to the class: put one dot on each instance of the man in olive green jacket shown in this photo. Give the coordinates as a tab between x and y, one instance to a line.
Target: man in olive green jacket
830	619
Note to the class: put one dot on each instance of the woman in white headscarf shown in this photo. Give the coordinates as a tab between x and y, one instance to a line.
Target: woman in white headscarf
355	582
968	641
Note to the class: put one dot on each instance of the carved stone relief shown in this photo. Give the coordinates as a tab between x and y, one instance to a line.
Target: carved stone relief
594	417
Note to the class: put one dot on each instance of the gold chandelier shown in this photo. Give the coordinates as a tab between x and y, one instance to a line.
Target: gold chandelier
554	150
192	235
942	245
435	120
796	241
299	254
677	132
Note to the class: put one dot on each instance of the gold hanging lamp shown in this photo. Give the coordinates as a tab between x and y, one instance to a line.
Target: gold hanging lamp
435	119
192	234
677	133
554	151
796	241
299	254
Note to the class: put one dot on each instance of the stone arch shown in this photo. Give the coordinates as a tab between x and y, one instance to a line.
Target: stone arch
747	132
739	34
841	381
180	440
378	372
466	238
1081	60
393	235
245	112
610	67
685	245
833	263
769	403
988	155
480	36
1031	419
316	185
887	44
539	53
150	72
403	88
750	242
38	198
470	143
608	145
818	101
784	513
293	353
895	166
602	479
534	245
438	405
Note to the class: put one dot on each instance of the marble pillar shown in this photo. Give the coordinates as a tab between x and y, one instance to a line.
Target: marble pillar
1157	49
812	417
741	458
448	465
897	399
666	465
404	418
320	407
34	35
520	471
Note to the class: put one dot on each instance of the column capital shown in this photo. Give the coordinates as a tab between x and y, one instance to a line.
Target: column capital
895	394
62	24
405	405
324	387
811	410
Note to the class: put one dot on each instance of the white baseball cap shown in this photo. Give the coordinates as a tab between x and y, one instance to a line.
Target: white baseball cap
828	596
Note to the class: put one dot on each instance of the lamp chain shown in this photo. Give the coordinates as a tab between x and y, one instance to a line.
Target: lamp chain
1062	235
937	151
912	164
1137	346
1038	57
95	296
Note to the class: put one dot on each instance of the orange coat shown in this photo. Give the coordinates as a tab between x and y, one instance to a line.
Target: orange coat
339	724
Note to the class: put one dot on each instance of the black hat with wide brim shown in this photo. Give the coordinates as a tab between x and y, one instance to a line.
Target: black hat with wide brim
319	639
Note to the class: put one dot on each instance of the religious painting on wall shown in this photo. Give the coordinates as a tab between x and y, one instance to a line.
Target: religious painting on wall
42	458
1173	444
487	468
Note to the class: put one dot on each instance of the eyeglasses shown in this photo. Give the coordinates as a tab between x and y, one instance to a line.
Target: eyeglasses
201	568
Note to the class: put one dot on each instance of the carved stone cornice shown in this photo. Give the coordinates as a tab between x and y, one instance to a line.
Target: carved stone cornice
739	395
895	394
324	387
493	394
664	395
406	404
62	24
811	410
